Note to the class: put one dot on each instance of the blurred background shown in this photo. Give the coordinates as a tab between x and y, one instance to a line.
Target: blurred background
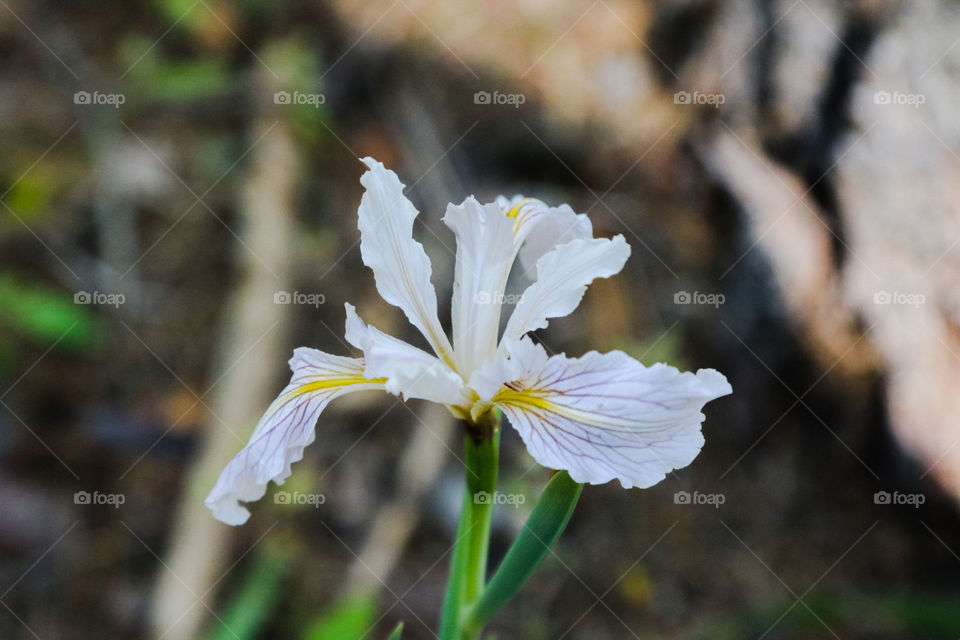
179	189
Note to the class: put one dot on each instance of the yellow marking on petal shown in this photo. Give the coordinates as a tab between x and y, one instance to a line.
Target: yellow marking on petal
514	211
523	398
332	383
537	400
521	212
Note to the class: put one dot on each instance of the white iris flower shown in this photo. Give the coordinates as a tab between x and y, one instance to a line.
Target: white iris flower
600	417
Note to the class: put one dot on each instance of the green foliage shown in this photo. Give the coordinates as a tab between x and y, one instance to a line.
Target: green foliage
547	521
184	14
890	615
350	619
663	346
300	72
252	605
30	196
153	78
397	632
45	314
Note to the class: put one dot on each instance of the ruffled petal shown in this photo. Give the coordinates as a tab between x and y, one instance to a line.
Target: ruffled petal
285	430
540	228
604	416
409	371
562	278
399	263
485	254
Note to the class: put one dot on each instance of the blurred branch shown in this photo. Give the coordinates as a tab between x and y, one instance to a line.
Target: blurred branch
417	472
249	355
788	225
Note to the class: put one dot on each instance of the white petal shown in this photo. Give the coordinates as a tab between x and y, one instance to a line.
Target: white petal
562	278
560	226
518	360
606	416
485	254
399	263
540	228
284	430
408	370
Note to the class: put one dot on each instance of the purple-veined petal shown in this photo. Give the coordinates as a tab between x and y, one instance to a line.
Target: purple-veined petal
285	430
409	371
399	263
562	278
605	416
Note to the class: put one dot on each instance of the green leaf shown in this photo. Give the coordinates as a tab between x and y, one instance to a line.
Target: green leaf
45	314
30	196
179	82
251	607
349	619
185	14
397	632
546	523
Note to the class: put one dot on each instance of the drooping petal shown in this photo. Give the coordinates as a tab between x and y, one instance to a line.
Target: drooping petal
604	416
285	430
485	254
407	370
399	263
562	278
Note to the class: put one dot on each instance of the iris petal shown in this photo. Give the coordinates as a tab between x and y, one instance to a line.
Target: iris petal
285	430
562	278
399	263
409	371
485	254
605	416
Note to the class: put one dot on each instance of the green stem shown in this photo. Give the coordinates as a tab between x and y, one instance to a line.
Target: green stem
482	458
469	562
453	599
546	523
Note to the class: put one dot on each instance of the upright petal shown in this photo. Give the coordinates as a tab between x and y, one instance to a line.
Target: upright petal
285	430
562	278
605	416
407	370
485	254
540	227
399	263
